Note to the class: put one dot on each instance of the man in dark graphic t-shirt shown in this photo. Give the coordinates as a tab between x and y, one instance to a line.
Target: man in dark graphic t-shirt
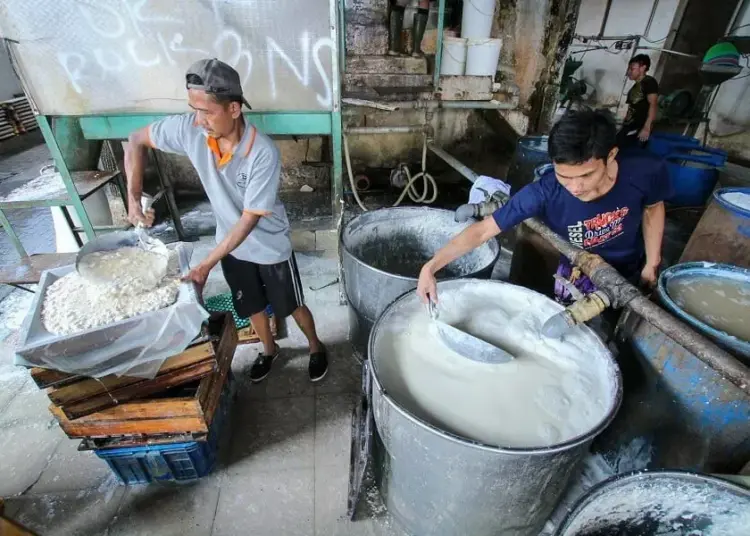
642	104
609	204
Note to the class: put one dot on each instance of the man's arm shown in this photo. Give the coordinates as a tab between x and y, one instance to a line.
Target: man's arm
653	106
470	238
654	217
236	235
528	202
135	163
171	135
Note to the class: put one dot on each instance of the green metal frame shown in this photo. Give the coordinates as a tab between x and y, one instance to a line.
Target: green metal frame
62	167
119	126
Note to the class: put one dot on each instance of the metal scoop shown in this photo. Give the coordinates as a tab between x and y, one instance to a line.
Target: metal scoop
467	345
120	239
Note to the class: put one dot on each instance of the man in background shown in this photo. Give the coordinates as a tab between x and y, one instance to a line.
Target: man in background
642	104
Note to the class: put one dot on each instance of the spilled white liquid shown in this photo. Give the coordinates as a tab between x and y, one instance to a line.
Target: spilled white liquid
551	392
722	303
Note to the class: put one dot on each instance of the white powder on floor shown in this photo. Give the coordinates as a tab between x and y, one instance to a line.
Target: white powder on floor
739	199
45	186
73	304
551	392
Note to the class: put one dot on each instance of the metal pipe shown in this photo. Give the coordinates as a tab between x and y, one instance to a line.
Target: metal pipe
385	130
605	37
654	7
668	51
622	293
607	7
455	164
438	44
432	105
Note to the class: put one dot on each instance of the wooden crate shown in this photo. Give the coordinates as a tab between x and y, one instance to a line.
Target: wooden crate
78	396
187	412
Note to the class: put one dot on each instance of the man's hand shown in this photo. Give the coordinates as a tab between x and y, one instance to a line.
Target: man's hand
644	134
427	285
649	275
136	215
198	275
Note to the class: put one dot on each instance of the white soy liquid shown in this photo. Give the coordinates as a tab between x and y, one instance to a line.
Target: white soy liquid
552	392
722	303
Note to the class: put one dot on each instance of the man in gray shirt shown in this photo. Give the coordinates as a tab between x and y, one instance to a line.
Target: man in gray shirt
240	169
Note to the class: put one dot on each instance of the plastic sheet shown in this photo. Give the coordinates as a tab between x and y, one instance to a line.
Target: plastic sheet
135	346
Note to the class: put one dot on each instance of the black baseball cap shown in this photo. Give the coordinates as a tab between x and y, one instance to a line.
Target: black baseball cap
218	78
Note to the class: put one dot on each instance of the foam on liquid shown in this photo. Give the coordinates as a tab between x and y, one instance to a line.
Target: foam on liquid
552	392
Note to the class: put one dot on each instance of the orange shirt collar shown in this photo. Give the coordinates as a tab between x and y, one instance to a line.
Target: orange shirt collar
225	158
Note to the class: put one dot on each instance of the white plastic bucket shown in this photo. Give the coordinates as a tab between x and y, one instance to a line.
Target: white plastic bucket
476	21
97	208
482	56
453	62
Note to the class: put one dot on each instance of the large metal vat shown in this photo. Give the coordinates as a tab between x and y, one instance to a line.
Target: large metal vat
382	252
661	502
723	232
439	484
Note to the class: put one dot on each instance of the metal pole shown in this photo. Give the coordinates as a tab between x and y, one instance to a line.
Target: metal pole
654	6
431	105
452	162
439	45
62	167
12	235
384	130
607	7
337	178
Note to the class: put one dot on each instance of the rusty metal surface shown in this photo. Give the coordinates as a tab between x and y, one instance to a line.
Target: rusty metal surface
119	56
717	238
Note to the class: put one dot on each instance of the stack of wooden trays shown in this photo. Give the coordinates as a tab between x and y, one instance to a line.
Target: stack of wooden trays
177	406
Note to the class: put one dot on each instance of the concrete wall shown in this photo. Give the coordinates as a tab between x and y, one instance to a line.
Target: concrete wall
536	35
729	125
9	83
303	163
604	70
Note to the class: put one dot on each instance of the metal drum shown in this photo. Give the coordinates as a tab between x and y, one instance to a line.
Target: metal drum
723	232
679	412
531	152
437	483
382	252
690	272
661	502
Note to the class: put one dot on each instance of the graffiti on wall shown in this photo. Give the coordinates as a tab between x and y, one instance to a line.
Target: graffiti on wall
284	58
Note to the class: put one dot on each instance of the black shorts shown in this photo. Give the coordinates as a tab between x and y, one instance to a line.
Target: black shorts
255	286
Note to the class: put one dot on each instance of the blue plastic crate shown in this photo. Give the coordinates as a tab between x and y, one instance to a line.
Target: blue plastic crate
173	462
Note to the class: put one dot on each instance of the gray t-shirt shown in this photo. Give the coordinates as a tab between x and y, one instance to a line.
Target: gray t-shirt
246	180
